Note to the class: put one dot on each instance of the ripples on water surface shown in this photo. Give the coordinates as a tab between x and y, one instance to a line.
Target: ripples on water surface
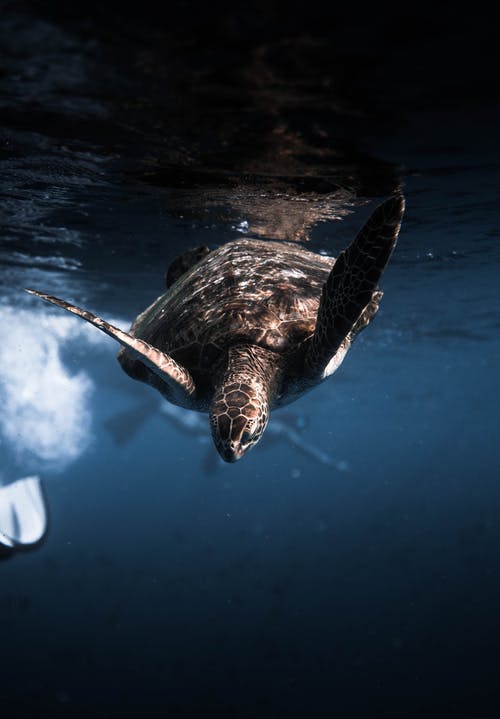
349	565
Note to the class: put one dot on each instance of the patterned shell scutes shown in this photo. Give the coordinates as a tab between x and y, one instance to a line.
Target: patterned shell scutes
252	291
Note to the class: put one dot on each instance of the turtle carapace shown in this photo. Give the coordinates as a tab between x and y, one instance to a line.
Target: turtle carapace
252	325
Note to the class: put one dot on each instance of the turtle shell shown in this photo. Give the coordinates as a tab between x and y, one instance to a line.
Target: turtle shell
247	291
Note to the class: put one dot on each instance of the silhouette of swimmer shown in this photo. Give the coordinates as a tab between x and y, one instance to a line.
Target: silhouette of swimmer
286	427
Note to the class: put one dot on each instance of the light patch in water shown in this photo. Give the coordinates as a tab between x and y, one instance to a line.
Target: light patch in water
21	258
45	410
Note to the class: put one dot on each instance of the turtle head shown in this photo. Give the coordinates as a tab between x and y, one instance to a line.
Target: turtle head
241	403
238	416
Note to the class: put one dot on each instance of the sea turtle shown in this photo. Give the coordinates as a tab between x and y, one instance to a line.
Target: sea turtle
252	325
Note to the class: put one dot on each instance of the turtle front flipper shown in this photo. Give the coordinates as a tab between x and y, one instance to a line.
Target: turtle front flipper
177	378
350	297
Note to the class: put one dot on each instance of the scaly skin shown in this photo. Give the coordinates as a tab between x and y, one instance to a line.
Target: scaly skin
241	404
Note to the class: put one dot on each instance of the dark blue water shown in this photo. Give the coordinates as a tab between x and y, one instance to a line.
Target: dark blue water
348	566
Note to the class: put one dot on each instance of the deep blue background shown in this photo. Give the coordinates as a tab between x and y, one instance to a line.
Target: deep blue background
170	584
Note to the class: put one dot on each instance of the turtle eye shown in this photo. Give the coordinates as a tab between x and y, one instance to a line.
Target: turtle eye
248	433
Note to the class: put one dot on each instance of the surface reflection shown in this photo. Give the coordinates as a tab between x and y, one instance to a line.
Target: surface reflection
274	212
270	145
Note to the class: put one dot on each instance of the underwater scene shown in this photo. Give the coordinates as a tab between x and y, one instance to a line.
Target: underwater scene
348	565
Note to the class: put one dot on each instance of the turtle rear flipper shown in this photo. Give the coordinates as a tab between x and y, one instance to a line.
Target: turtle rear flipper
350	297
177	379
183	263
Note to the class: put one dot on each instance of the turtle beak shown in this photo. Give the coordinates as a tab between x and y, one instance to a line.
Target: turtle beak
232	438
231	452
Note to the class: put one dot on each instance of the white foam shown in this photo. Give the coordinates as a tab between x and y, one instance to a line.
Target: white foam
45	409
